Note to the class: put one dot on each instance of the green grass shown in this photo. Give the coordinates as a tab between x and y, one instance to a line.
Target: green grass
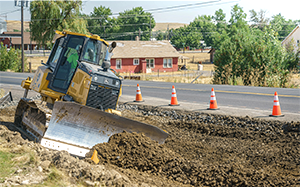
7	166
14	157
58	178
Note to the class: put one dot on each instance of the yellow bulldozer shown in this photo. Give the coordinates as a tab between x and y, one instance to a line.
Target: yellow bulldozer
79	93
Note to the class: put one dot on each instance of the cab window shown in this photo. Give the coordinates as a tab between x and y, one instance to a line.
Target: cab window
91	51
55	54
102	53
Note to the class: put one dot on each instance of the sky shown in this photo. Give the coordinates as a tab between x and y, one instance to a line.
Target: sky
187	12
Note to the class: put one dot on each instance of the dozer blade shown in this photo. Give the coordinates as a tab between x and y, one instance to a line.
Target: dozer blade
77	128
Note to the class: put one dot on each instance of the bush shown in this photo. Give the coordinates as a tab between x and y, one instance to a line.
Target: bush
10	59
255	57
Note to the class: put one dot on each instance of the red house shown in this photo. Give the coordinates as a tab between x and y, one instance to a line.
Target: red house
16	41
144	57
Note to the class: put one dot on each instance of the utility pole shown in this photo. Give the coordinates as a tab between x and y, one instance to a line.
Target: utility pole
22	36
167	32
150	28
139	33
22	3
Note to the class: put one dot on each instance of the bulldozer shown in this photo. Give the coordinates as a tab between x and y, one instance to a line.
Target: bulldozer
79	98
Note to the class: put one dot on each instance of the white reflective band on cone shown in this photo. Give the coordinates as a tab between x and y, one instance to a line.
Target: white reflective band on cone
213	98
138	92
276	103
275	97
173	95
173	90
212	93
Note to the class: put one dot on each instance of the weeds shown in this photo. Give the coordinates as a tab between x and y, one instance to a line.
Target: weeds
2	93
6	165
12	158
55	175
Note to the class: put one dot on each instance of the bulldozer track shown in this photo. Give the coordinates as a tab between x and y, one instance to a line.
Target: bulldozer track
31	118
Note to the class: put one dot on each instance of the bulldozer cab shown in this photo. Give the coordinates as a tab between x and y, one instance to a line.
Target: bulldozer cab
67	53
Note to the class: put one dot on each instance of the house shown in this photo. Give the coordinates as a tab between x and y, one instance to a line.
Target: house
15	41
144	57
295	37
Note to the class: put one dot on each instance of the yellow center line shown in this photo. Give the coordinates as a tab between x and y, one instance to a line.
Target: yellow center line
223	91
252	93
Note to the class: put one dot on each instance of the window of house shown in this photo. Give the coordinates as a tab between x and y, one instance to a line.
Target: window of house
150	63
167	63
118	64
136	61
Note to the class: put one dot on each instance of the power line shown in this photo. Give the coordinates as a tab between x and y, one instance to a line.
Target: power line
12	11
150	10
202	6
182	6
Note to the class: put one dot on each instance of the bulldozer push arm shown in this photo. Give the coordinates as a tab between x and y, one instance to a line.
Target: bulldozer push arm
81	93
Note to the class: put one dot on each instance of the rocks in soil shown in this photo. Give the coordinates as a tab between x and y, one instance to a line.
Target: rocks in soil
201	150
73	167
138	152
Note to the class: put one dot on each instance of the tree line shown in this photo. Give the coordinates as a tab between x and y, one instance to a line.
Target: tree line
247	51
204	30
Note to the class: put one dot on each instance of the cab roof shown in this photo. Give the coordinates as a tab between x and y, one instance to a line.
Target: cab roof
94	36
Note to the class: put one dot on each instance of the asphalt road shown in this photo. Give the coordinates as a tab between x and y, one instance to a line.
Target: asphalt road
232	100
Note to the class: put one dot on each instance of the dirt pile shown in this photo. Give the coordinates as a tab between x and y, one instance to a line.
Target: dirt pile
225	150
137	152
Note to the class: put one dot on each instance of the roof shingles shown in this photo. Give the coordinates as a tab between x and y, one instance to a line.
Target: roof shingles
144	49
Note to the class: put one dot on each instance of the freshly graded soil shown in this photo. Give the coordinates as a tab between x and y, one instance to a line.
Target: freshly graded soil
201	150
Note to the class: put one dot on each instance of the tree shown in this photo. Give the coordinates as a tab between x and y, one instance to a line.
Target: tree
282	26
133	23
238	19
186	36
204	25
292	54
220	20
259	19
47	16
160	35
254	56
99	22
221	28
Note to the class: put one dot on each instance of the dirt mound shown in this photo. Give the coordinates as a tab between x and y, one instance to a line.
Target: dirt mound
11	136
136	151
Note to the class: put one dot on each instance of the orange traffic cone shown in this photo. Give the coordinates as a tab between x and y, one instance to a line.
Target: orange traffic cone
276	107
174	101
138	97
213	101
95	157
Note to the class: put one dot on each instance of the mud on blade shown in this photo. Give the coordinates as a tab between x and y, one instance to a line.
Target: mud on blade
76	128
